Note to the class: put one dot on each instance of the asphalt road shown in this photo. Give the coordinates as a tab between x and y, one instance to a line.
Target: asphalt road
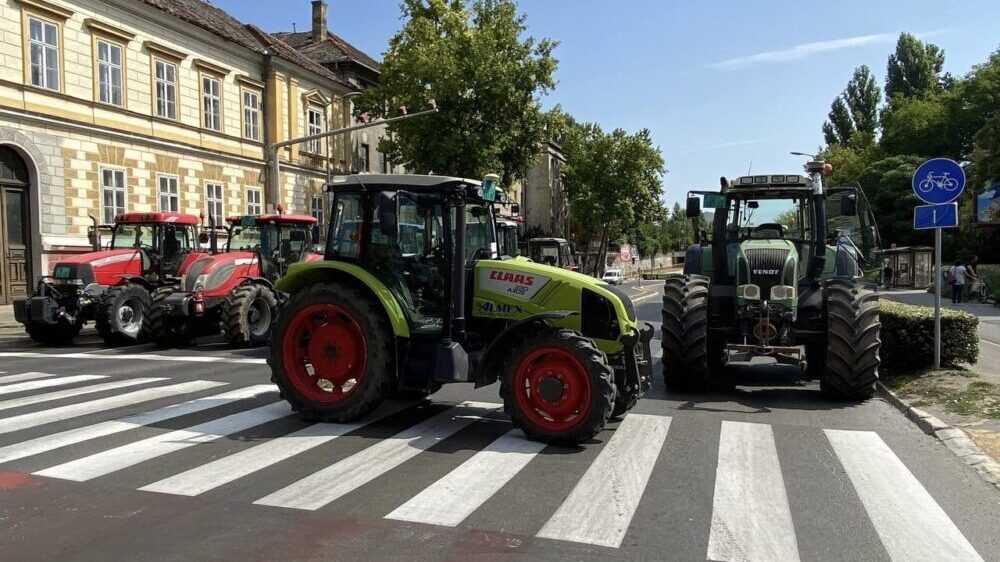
137	454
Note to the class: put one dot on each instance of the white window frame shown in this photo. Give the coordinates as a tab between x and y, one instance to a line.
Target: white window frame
211	102
119	193
47	53
251	115
107	91
317	208
172	192
217	199
255	201
315	120
165	89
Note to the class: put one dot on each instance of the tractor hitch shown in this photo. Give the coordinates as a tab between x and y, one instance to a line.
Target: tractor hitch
785	355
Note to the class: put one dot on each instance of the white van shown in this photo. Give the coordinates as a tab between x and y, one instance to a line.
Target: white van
613	276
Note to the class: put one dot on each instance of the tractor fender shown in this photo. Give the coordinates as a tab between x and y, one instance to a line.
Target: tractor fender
303	274
693	260
487	373
247	280
141	281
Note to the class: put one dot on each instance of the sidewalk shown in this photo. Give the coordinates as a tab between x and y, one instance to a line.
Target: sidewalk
7	317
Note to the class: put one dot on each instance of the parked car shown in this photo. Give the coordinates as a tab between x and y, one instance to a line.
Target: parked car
613	276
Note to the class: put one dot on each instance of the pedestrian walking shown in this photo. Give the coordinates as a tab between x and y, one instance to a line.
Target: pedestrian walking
956	278
887	275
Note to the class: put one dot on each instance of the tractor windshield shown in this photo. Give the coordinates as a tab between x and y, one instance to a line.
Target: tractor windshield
763	217
244	238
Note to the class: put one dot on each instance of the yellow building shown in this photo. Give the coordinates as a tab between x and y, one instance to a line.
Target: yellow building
141	105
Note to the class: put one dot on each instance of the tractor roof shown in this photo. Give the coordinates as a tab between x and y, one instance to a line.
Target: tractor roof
547	240
782	181
157	217
282	218
409	182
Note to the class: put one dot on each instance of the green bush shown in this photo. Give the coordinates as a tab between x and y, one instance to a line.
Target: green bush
908	337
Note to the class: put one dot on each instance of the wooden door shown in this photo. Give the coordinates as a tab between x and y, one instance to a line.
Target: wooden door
15	227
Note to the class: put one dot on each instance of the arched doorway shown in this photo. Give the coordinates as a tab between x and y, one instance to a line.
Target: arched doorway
15	226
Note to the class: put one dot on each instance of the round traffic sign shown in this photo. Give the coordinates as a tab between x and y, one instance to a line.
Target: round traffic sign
938	181
625	252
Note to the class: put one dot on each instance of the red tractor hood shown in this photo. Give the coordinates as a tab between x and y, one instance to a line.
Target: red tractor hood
109	266
235	266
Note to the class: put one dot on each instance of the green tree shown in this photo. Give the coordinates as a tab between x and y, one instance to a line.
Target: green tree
487	77
914	68
887	184
848	162
854	113
921	126
613	181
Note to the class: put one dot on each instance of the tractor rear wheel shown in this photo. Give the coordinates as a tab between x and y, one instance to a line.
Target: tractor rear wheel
557	387
63	332
851	359
332	354
248	315
122	312
164	331
686	347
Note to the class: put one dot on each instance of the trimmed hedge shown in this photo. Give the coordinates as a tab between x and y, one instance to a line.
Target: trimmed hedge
908	337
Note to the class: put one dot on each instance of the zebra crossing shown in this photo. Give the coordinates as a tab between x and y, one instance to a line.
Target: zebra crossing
751	517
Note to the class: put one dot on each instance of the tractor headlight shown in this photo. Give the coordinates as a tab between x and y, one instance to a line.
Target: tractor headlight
748	292
782	292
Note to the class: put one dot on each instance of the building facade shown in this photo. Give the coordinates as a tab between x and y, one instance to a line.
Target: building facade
544	202
109	106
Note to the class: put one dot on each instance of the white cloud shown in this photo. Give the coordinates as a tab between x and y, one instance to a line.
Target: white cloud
807	50
720	146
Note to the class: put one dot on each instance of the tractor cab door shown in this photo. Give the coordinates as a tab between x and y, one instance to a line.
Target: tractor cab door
852	233
175	242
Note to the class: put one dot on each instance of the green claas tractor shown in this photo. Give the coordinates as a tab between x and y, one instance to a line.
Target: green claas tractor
412	293
785	276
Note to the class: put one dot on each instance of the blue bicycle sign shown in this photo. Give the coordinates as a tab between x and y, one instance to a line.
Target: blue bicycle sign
938	181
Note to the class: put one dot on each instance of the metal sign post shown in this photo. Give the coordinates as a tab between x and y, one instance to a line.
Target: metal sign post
938	182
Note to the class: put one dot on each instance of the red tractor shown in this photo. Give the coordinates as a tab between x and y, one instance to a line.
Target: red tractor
112	285
234	288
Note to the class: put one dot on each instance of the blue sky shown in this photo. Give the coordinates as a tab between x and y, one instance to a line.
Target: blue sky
720	84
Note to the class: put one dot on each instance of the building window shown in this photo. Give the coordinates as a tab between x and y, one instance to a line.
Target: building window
112	194
366	163
251	115
316	208
43	44
386	167
254	206
109	72
169	196
166	89
211	102
213	201
315	124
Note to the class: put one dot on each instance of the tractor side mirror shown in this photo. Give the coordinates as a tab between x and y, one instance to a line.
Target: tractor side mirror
297	236
94	235
387	215
849	205
203	237
693	207
315	234
515	209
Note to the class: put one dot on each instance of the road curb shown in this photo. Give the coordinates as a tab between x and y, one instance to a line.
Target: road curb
957	441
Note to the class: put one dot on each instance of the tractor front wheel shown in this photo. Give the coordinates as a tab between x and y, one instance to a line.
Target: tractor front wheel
851	359
248	315
558	387
122	312
162	329
332	354
687	353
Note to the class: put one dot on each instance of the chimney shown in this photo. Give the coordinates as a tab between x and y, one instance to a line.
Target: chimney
319	20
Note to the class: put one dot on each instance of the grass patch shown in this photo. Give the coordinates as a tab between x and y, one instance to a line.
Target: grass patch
955	391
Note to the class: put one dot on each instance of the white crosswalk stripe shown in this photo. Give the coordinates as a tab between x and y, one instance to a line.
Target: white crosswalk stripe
25	377
751	519
600	507
454	497
103	429
113	460
46	383
43	417
911	524
209	476
332	482
70	393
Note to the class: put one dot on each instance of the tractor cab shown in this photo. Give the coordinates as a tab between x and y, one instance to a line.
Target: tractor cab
164	240
276	239
552	251
507	237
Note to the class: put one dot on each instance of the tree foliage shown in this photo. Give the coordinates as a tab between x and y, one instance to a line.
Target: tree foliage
914	68
487	77
854	113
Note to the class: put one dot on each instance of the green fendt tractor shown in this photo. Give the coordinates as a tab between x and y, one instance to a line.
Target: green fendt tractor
786	276
412	293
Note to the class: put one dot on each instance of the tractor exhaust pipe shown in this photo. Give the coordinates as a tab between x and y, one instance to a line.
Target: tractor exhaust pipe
94	234
213	238
816	170
458	272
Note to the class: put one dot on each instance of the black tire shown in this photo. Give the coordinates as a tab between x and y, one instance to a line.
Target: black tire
851	359
686	351
379	377
61	333
244	304
600	377
115	327
164	331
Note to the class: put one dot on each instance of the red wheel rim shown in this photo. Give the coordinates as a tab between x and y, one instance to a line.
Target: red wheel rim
325	353
535	387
